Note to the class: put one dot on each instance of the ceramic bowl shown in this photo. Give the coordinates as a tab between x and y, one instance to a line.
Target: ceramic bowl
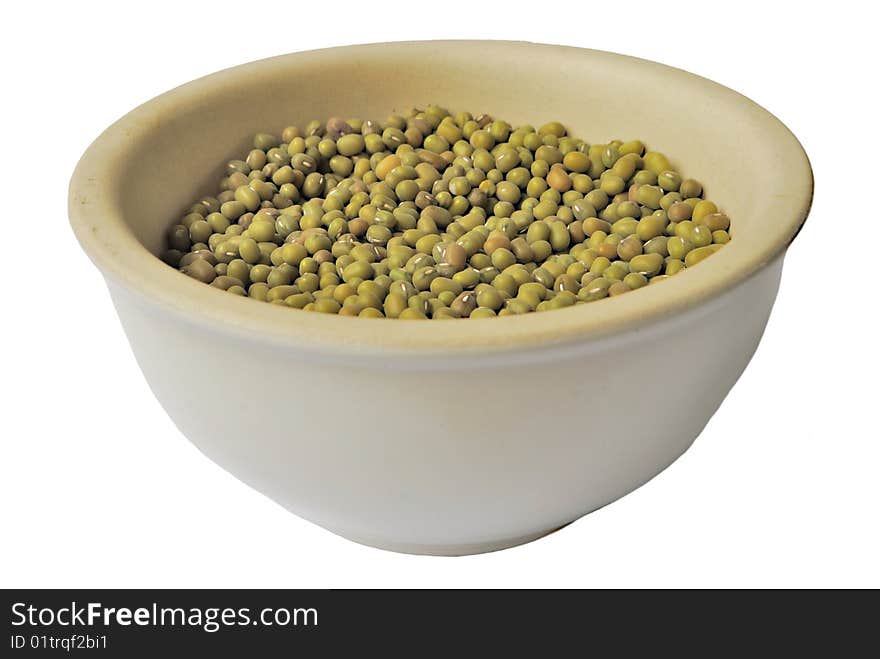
443	437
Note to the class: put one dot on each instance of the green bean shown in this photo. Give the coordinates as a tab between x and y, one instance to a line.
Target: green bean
441	215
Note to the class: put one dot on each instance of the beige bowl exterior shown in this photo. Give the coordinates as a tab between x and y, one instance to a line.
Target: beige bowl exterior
463	436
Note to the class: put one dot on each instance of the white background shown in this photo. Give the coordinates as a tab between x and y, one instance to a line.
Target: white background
98	488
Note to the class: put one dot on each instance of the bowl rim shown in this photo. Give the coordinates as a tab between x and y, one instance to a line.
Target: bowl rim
96	217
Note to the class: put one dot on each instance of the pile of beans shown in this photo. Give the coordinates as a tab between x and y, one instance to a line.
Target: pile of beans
435	215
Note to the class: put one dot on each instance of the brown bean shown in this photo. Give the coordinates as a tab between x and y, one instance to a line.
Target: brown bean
558	179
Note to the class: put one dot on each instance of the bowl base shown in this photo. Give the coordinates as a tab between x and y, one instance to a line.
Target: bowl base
466	549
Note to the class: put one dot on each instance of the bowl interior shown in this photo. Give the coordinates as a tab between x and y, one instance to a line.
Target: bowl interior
148	167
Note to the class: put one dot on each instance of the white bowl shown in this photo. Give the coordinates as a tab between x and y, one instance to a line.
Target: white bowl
455	437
